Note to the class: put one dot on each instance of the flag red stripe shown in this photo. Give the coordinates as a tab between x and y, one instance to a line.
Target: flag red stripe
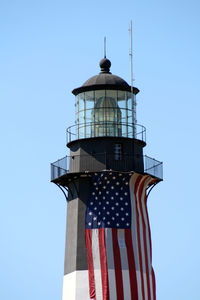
149	230
118	267
148	224
103	261
154	284
141	201
88	243
131	265
152	278
138	235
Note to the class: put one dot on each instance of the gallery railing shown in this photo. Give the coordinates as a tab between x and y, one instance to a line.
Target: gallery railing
101	161
103	129
153	167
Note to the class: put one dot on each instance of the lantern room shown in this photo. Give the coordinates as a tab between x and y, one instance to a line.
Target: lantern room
105	106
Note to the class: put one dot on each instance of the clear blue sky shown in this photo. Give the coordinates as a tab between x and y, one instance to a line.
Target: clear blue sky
47	49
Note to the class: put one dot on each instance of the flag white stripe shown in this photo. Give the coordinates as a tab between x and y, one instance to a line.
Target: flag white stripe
139	284
147	235
151	285
110	263
139	201
124	262
134	233
97	264
141	240
133	220
146	268
146	221
145	285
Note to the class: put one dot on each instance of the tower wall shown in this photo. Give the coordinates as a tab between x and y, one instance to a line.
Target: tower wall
75	251
103	262
108	242
97	154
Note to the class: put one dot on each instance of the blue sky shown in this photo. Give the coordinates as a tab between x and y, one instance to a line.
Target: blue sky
47	49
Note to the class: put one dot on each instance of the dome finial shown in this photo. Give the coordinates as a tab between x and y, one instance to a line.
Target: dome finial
105	65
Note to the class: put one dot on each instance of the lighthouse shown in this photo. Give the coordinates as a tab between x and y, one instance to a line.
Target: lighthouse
106	181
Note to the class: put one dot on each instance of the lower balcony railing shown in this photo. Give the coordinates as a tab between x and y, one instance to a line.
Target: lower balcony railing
105	161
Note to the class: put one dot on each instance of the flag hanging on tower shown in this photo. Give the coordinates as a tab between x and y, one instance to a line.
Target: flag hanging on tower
118	240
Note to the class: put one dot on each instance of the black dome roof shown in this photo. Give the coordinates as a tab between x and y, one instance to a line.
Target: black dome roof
105	80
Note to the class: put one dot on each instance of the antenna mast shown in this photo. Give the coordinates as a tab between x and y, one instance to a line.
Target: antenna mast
134	121
131	53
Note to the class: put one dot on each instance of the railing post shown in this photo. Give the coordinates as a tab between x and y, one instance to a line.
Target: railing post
142	134
51	171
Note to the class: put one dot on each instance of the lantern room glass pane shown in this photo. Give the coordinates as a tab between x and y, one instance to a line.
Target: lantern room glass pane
81	101
105	113
88	116
124	130
121	95
123	115
89	100
77	103
81	117
112	94
132	116
129	104
81	132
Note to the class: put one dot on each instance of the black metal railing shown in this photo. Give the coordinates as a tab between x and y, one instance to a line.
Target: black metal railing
101	129
105	161
153	167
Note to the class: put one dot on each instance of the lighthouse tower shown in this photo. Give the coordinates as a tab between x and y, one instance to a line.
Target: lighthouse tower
106	180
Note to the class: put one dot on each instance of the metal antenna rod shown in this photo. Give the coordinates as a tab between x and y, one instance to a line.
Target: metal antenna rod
131	52
134	120
104	46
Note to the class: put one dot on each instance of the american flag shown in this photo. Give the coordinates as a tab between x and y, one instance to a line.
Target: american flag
117	235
